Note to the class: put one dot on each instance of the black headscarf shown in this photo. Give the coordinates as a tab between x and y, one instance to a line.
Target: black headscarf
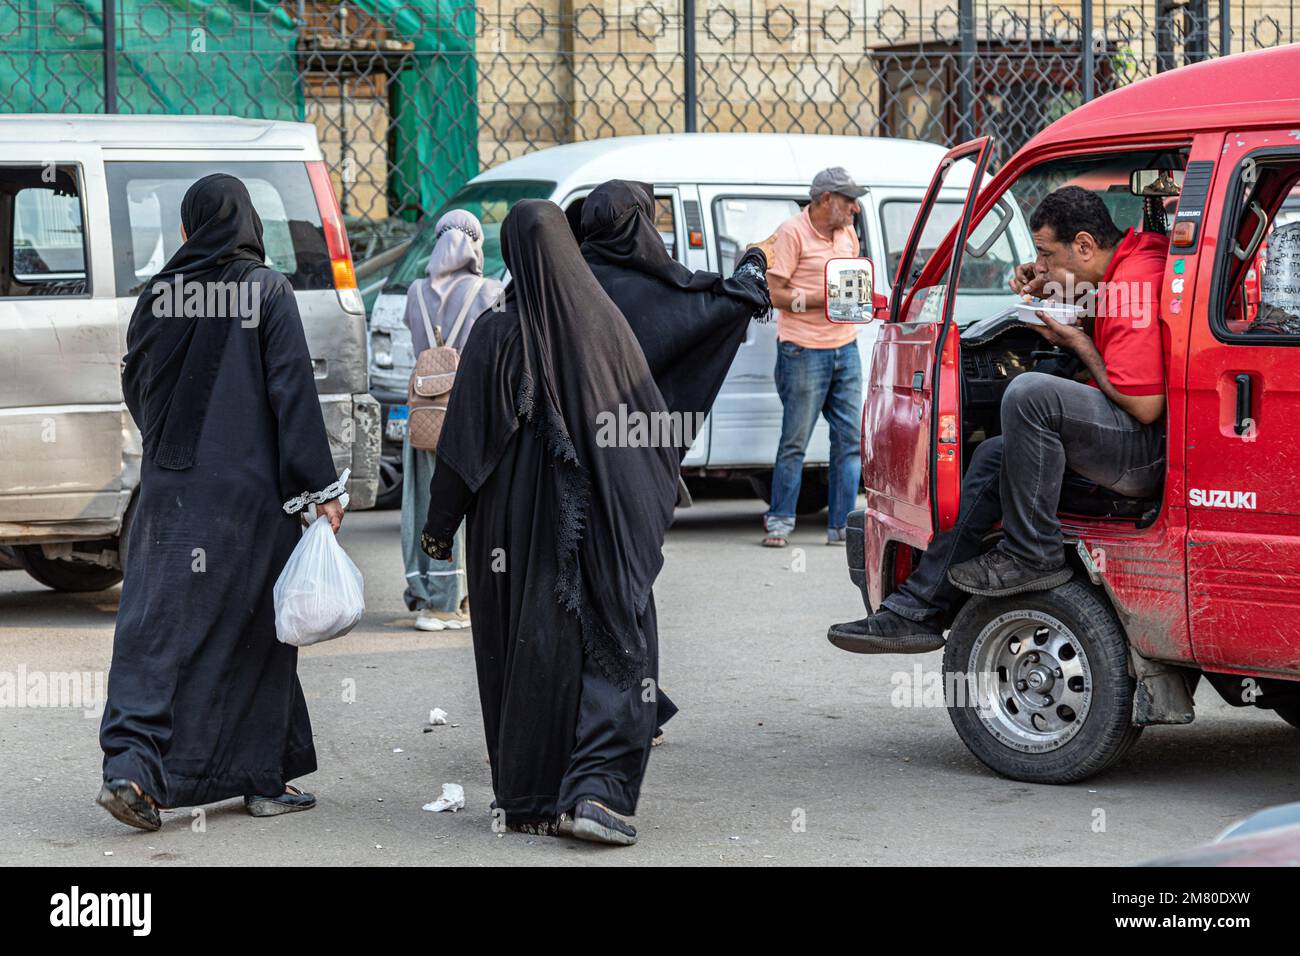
172	358
609	504
689	324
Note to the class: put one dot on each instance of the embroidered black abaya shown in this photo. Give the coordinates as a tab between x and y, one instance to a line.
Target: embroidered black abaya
564	532
203	702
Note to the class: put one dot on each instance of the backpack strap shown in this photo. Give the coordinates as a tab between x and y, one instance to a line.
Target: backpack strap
433	336
464	310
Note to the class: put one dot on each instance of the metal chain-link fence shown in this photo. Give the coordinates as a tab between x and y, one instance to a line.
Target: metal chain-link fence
412	98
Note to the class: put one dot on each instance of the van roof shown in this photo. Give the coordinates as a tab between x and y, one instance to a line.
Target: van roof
135	131
1233	92
780	158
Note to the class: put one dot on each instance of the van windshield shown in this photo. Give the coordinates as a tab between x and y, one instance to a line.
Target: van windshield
144	204
489	202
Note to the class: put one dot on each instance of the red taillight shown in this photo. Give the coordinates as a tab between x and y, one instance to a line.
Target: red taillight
336	236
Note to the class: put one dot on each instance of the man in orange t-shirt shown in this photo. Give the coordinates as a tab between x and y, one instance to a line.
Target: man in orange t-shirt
818	369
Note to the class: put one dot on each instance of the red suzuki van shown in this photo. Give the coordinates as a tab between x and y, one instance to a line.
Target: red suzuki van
1202	581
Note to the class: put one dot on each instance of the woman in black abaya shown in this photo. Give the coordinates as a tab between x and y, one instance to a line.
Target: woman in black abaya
564	537
203	702
689	324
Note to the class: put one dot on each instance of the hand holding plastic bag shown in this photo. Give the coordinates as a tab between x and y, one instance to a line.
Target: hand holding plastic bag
320	593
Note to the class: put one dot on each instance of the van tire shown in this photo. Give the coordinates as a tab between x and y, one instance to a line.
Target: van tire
69	576
1050	747
814	492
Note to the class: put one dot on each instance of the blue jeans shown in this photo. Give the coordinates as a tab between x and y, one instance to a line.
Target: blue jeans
812	382
430	585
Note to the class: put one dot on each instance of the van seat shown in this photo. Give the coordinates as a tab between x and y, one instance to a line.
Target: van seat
1079	496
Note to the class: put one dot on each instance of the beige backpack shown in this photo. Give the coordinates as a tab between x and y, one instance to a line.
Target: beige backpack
435	373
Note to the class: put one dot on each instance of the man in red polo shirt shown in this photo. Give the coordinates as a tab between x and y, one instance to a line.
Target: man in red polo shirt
1109	429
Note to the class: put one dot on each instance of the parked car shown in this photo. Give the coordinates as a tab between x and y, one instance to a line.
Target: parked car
1199	582
90	210
716	193
1268	838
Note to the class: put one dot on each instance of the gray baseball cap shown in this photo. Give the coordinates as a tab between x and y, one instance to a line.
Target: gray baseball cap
836	180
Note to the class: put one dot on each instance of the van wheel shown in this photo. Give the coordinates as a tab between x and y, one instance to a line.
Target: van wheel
390	483
66	575
1042	684
814	492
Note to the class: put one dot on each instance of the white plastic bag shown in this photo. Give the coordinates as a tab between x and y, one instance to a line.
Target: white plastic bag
320	593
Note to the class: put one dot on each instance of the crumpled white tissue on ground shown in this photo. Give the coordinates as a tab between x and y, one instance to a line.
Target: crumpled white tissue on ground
453	799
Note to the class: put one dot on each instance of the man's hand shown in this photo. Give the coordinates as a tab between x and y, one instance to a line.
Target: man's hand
766	247
1027	280
332	510
1070	337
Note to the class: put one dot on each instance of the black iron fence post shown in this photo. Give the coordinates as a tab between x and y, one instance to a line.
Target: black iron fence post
966	71
109	17
688	66
1225	27
1086	49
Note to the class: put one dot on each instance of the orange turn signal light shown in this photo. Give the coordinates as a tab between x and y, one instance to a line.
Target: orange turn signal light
1184	233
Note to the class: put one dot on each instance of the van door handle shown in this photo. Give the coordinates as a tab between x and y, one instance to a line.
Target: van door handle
918	381
1243	404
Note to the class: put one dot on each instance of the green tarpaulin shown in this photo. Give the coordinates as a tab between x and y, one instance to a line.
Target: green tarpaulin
240	58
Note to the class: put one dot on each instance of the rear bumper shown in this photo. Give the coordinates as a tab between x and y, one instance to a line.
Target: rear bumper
353	425
855	552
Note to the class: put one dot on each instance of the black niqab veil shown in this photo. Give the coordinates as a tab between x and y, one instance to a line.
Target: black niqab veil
172	357
578	363
689	324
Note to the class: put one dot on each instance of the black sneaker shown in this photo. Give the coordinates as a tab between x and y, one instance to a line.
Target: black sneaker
597	823
886	633
998	574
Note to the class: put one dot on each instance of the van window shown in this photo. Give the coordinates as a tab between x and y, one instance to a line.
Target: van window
489	202
1260	293
741	220
46	252
144	201
896	218
983	288
666	223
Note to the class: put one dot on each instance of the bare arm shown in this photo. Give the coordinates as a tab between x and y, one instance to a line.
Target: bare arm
1145	408
787	297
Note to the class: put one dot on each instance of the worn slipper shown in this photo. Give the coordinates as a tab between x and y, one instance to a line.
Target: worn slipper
120	799
292	800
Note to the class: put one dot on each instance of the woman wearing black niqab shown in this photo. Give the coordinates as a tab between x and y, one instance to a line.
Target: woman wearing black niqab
689	324
565	531
203	702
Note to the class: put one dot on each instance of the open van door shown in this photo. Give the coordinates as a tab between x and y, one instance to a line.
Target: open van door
911	434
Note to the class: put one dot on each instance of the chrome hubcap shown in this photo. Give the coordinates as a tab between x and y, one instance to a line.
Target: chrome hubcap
1033	683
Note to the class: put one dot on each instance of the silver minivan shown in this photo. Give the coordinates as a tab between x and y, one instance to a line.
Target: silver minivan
715	193
89	211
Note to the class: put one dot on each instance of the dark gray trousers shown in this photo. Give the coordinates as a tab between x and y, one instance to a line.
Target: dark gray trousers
1048	424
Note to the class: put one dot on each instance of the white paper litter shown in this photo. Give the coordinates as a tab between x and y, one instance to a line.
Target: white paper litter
453	799
437	716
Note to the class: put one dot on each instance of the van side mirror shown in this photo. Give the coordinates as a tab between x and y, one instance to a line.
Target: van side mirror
851	296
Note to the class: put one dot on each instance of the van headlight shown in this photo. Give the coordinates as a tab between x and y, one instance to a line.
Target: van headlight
381	349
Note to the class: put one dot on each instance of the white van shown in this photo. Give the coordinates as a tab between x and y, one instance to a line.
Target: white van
89	211
716	192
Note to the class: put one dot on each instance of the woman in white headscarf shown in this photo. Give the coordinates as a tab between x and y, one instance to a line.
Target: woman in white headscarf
454	285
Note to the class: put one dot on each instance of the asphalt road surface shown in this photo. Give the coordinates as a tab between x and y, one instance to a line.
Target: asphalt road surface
787	751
